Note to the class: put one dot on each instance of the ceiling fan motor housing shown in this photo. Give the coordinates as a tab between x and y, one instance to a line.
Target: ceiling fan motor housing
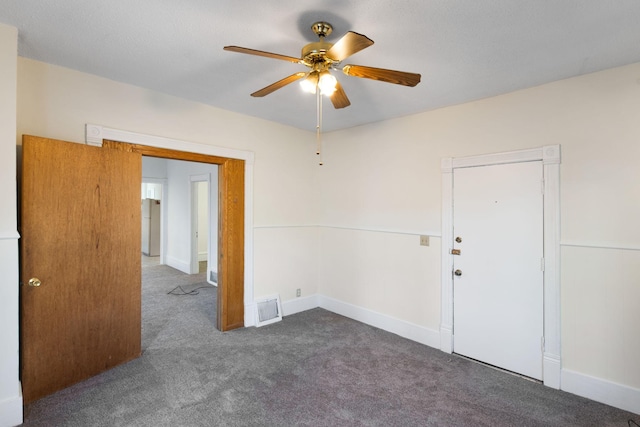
315	53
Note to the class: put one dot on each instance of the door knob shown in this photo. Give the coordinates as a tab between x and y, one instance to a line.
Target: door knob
35	282
458	272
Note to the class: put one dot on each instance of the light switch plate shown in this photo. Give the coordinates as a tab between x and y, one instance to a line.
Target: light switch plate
424	240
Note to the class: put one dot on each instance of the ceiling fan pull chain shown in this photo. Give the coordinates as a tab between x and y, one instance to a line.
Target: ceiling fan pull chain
319	125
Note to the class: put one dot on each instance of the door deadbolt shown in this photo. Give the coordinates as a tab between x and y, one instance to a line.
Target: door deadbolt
458	272
459	239
35	282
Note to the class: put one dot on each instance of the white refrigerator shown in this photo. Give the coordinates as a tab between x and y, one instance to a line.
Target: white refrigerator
151	227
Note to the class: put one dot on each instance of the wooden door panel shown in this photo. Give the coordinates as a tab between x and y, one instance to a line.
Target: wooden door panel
80	235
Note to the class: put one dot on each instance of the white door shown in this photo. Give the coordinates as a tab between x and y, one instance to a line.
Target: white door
498	280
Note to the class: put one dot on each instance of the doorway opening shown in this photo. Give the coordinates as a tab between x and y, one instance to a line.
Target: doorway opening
230	249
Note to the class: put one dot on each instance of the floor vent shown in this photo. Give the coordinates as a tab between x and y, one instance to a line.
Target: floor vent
268	310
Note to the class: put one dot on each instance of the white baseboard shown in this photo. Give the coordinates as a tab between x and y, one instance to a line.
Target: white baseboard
202	256
298	305
11	411
403	328
178	264
607	392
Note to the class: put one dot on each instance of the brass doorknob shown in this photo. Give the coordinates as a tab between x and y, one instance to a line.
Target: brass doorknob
458	272
35	282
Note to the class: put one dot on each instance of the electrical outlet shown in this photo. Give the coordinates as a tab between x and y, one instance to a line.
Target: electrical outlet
298	292
424	240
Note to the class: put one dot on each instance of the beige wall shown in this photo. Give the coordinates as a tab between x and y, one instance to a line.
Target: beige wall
57	102
386	176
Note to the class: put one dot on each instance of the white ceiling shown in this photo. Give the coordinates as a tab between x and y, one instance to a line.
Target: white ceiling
464	49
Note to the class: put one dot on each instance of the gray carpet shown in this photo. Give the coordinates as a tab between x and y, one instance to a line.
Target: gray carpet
312	369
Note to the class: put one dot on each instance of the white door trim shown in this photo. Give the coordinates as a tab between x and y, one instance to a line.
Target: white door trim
550	157
95	134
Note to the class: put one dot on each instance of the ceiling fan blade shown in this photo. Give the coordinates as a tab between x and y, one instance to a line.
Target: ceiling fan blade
389	76
348	44
262	53
279	84
339	97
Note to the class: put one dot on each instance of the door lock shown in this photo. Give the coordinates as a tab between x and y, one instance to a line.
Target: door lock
459	239
35	282
458	272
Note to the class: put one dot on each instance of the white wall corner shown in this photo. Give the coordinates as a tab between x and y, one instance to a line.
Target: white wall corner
607	392
298	305
93	135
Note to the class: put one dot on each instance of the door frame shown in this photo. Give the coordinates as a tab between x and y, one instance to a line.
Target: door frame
550	157
229	167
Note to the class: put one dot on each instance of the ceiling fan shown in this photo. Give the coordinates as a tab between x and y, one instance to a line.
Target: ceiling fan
322	57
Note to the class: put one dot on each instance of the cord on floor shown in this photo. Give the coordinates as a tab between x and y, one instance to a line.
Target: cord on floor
179	291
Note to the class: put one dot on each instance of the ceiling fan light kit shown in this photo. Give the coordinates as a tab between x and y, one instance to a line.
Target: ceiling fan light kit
322	57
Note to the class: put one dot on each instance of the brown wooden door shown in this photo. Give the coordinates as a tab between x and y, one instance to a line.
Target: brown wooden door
80	236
